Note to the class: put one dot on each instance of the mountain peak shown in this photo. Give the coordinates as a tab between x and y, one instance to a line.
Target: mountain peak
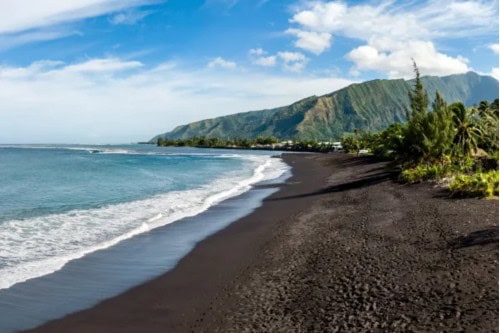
370	106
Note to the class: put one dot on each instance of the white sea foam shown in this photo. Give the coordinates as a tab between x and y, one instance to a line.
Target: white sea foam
38	246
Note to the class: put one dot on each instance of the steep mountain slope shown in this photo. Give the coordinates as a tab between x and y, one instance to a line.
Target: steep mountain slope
371	105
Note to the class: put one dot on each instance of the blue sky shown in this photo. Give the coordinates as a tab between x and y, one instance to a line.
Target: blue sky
109	71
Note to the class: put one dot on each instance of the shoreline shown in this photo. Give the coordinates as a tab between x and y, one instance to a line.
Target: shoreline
109	272
320	253
188	288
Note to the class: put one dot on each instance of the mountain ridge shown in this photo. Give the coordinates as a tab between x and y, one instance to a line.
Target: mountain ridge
370	105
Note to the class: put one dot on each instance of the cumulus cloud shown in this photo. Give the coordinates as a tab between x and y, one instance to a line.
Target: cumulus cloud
293	61
393	30
315	42
291	56
394	58
269	61
400	20
290	61
259	57
222	63
113	100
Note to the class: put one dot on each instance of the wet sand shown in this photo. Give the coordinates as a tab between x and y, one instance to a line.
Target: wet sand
341	247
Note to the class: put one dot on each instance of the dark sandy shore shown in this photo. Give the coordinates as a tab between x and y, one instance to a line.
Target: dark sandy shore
341	247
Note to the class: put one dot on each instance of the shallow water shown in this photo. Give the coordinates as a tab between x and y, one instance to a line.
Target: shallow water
91	222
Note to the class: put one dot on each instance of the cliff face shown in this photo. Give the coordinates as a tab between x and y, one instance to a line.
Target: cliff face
371	105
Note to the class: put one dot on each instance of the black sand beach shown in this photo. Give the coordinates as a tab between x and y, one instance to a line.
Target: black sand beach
341	247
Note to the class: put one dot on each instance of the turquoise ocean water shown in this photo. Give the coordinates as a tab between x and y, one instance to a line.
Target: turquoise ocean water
70	213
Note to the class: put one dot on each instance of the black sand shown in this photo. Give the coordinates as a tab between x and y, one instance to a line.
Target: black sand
341	247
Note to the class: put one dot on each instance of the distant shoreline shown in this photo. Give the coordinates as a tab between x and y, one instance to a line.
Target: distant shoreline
261	148
339	247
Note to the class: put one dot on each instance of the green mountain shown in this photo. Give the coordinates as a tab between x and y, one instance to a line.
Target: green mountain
371	105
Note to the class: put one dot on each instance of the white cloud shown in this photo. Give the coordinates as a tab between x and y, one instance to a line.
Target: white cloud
393	30
129	18
103	65
37	67
269	61
49	101
293	61
257	52
495	72
290	61
222	63
21	15
400	19
258	57
295	67
494	47
315	42
26	21
12	40
292	56
395	59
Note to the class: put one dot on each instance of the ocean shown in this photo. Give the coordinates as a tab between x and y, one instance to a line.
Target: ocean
79	224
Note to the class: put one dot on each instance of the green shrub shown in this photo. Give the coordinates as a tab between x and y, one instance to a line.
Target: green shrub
412	175
425	172
482	184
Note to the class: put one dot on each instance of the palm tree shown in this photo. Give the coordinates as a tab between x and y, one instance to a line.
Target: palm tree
488	120
468	131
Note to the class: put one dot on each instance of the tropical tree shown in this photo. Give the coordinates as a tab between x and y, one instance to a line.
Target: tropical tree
388	144
351	143
468	131
488	119
428	136
411	148
438	131
483	107
418	97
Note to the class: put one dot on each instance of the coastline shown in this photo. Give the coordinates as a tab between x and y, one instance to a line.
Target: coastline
337	238
109	272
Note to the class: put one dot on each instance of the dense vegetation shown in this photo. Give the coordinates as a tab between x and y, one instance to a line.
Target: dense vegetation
451	143
370	106
258	143
439	141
